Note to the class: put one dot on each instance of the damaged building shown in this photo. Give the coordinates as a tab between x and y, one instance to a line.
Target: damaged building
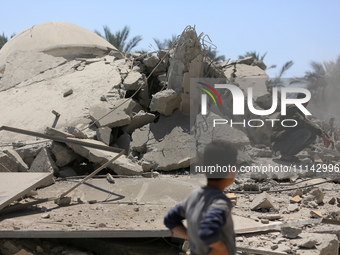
66	99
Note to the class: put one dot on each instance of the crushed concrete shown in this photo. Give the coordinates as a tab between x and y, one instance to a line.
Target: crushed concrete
155	131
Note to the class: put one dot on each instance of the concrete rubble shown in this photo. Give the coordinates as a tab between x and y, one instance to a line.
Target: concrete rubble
141	103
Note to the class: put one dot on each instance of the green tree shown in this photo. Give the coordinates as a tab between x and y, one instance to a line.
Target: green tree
212	54
277	81
166	43
119	38
4	39
322	76
256	56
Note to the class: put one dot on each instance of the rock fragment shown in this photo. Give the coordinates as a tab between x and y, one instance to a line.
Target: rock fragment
296	199
262	201
44	163
165	102
290	232
315	214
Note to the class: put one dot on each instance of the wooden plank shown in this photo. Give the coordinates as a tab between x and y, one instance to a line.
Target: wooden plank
15	185
85	233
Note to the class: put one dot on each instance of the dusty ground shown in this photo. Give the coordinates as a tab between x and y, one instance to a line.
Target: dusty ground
103	209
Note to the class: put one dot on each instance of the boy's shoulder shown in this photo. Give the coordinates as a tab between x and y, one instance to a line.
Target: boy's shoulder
212	197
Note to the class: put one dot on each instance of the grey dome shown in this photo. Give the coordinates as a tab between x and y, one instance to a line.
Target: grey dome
60	39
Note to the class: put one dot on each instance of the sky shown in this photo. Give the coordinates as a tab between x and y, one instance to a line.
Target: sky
302	31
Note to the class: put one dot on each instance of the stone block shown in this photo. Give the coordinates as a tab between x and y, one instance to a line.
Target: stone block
262	201
291	232
44	163
134	80
296	199
138	120
15	157
117	118
104	135
7	164
63	154
165	102
121	166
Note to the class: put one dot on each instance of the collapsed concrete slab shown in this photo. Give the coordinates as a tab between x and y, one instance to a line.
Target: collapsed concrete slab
122	166
24	183
7	164
134	80
138	120
104	135
205	132
63	154
248	76
44	163
116	114
15	157
165	102
24	65
165	144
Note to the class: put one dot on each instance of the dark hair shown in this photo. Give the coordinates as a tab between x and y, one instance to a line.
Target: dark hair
219	153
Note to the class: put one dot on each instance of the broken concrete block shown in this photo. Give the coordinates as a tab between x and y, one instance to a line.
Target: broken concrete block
57	133
75	132
121	166
262	201
44	163
296	199
63	154
118	117
15	157
143	96
151	61
291	232
327	244
134	80
293	208
29	152
315	214
138	120
272	216
315	195
187	62
104	135
7	164
165	102
308	242
165	144
249	76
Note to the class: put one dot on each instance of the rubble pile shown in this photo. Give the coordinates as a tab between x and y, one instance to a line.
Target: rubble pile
141	103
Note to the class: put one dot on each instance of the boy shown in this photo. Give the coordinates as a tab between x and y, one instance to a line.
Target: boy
207	210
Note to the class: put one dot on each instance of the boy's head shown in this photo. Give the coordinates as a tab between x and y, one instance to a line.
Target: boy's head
219	160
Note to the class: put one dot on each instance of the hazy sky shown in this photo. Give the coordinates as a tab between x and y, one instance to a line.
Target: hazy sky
299	30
